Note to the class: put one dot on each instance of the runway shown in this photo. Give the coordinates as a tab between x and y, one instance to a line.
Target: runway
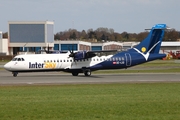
45	78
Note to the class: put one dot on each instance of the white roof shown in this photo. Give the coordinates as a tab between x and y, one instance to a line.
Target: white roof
170	43
30	22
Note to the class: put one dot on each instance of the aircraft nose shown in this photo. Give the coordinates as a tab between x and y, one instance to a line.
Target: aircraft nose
7	66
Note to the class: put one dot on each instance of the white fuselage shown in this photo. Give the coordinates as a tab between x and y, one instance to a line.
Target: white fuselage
35	62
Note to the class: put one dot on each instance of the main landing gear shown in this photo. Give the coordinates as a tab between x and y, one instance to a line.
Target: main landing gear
86	72
75	73
14	74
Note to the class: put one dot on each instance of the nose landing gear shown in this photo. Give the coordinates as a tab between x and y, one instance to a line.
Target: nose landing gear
14	74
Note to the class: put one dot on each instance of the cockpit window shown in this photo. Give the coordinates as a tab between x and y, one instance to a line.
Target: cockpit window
14	59
18	59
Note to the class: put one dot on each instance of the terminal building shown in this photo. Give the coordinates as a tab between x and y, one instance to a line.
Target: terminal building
33	36
3	45
30	36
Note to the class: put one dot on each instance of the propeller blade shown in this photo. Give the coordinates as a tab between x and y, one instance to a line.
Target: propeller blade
72	48
48	48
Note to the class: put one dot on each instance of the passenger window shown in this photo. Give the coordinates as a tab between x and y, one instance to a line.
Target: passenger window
60	60
19	59
57	60
64	60
54	60
22	59
70	60
67	60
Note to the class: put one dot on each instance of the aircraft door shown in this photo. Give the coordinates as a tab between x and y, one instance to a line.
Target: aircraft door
128	59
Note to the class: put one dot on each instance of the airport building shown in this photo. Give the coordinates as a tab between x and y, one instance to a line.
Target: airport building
3	45
82	45
30	36
33	36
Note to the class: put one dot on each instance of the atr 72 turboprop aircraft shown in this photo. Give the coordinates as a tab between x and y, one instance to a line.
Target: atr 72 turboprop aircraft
87	61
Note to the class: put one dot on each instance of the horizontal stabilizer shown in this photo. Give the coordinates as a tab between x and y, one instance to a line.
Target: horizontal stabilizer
158	26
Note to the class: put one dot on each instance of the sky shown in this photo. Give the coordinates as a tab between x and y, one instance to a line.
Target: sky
132	16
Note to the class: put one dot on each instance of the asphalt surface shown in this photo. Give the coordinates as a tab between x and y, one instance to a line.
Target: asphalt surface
44	78
6	78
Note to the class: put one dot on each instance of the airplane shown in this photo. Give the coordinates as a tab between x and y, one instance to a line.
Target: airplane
76	62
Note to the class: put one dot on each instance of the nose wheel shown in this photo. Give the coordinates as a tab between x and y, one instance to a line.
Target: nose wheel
15	74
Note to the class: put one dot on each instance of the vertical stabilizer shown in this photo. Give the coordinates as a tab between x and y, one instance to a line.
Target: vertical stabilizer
152	43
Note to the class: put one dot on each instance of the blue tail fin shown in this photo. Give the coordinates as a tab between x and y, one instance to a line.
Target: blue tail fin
152	43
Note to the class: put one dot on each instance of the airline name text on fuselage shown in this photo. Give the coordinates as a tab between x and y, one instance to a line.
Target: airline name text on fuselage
42	65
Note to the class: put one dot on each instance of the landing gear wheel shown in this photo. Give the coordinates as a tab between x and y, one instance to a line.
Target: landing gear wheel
14	74
75	74
87	73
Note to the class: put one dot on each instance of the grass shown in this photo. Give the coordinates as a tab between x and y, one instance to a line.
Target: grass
149	101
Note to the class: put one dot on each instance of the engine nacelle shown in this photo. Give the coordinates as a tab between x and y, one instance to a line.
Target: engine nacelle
83	55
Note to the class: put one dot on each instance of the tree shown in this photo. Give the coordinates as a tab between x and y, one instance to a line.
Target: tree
83	35
109	34
5	35
141	36
171	35
73	36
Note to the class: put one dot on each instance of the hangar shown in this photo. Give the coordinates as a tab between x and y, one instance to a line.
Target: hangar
82	45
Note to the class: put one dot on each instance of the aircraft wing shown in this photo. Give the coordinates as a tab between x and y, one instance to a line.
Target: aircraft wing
79	55
101	51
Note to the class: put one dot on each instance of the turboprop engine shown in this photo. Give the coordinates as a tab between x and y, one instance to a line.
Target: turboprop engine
81	55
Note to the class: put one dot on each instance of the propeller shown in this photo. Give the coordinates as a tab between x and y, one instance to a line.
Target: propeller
72	54
47	51
48	48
